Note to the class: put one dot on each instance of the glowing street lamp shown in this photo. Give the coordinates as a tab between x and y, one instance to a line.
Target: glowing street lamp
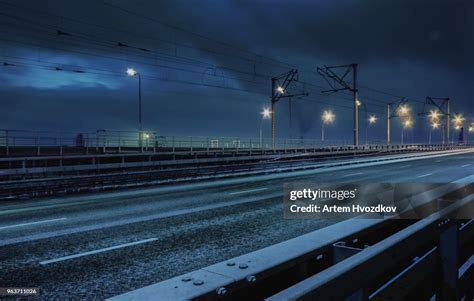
266	114
280	90
132	72
372	120
328	117
434	125
358	103
403	110
458	119
458	122
407	123
434	115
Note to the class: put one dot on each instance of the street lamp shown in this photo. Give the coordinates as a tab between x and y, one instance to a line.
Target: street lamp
434	126
471	129
434	115
458	122
406	124
372	120
146	136
403	110
280	90
458	119
266	114
132	72
327	118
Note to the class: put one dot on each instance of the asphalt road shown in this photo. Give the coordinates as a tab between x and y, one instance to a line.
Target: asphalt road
98	246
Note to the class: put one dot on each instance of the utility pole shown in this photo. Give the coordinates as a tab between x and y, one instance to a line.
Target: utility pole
389	111
442	107
356	104
280	86
273	110
392	113
337	83
448	119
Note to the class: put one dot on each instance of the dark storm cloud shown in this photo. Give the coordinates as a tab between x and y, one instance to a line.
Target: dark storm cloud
407	47
432	32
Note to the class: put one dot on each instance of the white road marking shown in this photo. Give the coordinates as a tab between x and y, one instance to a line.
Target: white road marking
97	251
466	165
246	191
426	175
33	223
405	166
352	174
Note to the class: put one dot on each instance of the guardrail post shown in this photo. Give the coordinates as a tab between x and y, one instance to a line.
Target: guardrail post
449	251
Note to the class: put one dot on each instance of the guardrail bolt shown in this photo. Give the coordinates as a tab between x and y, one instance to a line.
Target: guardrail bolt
319	257
230	264
198	282
186	279
221	291
243	266
251	279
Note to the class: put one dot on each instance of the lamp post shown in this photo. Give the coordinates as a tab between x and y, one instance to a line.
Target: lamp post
372	120
434	119
406	124
434	126
458	122
471	129
132	72
266	114
327	118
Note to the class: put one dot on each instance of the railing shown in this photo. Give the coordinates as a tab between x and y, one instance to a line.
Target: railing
14	142
114	138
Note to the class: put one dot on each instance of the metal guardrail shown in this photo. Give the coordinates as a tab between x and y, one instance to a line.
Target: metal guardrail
22	142
343	280
357	259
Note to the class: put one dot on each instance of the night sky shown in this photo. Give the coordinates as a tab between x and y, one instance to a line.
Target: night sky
206	65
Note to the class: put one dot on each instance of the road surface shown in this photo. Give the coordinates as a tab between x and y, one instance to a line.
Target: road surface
98	246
